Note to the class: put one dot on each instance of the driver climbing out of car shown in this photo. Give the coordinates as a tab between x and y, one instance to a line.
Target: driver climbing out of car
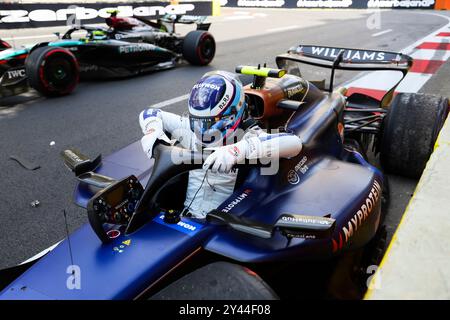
217	119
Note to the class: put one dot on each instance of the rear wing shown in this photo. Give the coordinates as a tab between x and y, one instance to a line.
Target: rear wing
346	59
169	21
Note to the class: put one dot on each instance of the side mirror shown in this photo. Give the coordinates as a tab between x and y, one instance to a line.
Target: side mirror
57	34
78	163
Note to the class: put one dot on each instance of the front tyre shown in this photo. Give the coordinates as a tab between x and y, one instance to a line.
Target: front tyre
199	47
52	71
410	130
218	281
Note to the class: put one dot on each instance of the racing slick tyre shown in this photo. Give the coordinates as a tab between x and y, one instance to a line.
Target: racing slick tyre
199	47
218	281
52	71
410	130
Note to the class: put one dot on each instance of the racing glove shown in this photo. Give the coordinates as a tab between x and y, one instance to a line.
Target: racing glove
152	128
263	147
224	158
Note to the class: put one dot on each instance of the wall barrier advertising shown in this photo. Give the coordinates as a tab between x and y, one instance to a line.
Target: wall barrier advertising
336	4
33	15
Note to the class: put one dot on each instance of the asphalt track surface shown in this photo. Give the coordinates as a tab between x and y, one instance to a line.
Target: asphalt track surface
101	117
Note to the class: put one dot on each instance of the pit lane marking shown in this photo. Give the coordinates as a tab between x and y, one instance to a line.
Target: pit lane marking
282	28
381	33
166	103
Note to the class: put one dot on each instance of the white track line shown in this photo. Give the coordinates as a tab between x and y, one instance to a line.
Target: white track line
166	103
282	29
381	33
29	37
41	36
234	18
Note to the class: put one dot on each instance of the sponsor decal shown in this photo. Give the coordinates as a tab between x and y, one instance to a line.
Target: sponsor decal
338	4
74	157
88	13
224	101
119	36
133	48
355	222
293	91
360	55
307	220
88	68
237	200
260	3
324	3
400	3
15	74
206	85
234	151
185	226
293	177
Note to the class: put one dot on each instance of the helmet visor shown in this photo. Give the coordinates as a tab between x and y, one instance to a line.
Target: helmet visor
211	129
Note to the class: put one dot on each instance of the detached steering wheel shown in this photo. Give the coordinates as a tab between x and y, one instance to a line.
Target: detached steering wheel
164	169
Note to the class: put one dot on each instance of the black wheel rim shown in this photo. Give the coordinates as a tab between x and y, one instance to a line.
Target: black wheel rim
59	73
207	48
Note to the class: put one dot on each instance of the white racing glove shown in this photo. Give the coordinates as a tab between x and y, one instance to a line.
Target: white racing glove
264	147
224	158
152	128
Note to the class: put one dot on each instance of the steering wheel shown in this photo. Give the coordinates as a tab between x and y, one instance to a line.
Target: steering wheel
164	169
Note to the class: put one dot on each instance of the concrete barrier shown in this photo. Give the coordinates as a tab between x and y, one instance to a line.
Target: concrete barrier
417	262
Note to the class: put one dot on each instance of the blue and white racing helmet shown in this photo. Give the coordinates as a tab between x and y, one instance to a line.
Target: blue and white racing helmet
216	107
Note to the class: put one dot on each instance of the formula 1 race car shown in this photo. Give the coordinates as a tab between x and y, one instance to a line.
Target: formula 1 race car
128	47
316	223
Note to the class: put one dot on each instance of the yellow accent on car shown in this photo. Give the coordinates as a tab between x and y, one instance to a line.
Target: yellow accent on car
261	72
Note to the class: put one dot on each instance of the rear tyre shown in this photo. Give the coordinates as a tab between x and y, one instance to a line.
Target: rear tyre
199	47
410	130
52	71
218	281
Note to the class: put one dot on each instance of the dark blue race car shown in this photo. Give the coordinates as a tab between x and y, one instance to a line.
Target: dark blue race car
312	228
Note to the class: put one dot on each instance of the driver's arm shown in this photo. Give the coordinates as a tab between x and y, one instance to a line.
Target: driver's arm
156	123
270	146
254	145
